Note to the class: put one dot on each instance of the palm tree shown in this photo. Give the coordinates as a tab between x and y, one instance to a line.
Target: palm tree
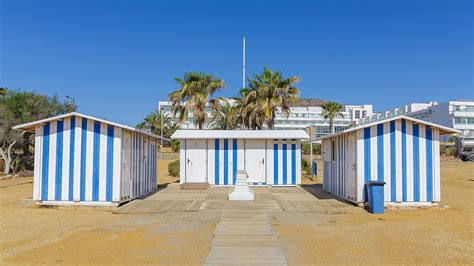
195	91
224	115
268	92
153	122
331	110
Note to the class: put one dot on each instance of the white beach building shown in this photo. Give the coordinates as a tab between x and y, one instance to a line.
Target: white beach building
401	151
84	160
270	157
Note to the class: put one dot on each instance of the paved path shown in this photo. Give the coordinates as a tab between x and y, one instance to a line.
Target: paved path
243	238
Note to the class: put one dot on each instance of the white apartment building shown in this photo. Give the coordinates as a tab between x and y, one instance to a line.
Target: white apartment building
454	114
299	118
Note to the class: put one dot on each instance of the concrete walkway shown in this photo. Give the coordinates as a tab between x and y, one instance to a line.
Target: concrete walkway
243	238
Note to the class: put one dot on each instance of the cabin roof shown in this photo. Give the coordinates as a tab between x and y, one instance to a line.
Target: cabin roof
240	134
443	129
31	125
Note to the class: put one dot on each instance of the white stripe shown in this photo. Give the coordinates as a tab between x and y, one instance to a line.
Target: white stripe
288	163
38	158
270	162
77	159
386	162
103	162
373	153
117	164
422	144
298	162
66	155
221	162
409	151
240	155
436	166
211	161
89	159
52	161
360	165
398	152
280	163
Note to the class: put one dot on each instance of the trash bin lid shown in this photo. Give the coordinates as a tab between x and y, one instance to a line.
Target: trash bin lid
375	183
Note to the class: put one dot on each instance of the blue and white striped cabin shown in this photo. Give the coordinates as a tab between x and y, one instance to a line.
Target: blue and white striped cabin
270	157
85	160
401	151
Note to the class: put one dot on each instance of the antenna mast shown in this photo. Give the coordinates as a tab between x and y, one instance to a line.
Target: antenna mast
243	65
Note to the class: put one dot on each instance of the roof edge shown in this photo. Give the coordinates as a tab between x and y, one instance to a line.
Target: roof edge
445	129
26	126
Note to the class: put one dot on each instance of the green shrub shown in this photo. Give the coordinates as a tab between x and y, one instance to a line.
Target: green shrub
175	145
173	168
450	151
307	148
305	167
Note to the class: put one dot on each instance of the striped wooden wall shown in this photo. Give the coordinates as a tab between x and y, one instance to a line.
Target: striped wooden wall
79	159
401	153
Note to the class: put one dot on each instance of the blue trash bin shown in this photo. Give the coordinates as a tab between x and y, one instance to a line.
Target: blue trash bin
375	196
314	168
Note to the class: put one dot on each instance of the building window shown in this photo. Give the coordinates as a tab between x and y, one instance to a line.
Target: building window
364	114
357	114
470	120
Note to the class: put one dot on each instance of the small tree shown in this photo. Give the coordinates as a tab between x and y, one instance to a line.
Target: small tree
18	107
331	110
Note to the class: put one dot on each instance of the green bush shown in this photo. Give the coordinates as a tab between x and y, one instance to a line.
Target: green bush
450	151
307	148
305	167
175	145
173	168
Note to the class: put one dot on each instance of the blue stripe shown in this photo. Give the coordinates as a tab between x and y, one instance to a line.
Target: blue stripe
95	162
416	163
429	164
404	160
71	157
110	163
367	154
285	165
234	160
293	164
216	141
275	164
59	160
226	161
380	155
83	159
393	160
45	163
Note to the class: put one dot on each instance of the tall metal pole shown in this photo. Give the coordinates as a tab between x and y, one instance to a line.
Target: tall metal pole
243	66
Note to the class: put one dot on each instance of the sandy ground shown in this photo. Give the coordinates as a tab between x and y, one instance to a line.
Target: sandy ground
434	235
72	236
31	235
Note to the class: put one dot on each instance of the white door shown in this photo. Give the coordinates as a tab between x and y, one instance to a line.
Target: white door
351	167
196	161
126	162
255	160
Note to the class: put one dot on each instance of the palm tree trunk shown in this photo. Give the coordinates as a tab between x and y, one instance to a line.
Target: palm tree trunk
331	124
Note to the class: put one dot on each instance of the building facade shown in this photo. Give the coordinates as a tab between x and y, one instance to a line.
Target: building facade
270	157
299	118
454	114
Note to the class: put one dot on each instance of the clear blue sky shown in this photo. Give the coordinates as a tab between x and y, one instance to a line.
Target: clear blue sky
118	58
